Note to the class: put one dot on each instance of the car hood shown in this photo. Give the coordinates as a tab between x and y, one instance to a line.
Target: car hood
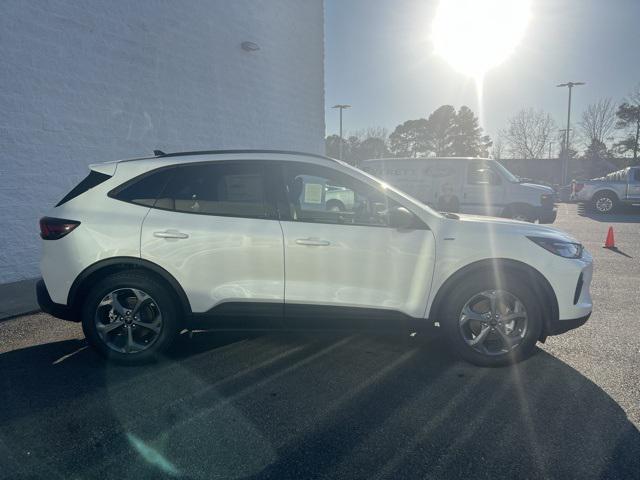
512	226
540	188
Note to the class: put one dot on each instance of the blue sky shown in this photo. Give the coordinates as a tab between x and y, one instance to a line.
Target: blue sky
379	59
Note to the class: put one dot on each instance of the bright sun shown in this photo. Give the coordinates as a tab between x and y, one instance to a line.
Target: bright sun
476	35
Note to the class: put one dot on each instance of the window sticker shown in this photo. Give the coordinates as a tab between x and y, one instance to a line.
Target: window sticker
313	193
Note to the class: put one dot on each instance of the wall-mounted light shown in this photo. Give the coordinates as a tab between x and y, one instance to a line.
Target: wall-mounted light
249	46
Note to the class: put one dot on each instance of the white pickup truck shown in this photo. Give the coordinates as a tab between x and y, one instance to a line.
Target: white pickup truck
606	193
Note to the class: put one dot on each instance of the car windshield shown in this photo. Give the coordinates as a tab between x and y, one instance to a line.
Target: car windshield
504	172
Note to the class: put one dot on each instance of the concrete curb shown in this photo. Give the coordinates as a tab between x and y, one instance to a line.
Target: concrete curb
18	298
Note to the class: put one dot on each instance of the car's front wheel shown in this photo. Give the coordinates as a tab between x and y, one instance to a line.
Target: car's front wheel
130	317
523	213
492	321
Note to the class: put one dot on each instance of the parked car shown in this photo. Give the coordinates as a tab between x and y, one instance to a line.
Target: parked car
479	186
605	194
142	249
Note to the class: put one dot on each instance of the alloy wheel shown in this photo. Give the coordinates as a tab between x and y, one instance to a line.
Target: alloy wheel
493	322
128	320
604	204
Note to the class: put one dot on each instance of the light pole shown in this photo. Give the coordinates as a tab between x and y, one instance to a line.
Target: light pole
341	107
565	160
563	148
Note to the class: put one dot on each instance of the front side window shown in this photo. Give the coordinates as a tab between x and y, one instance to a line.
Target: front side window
319	194
480	173
234	189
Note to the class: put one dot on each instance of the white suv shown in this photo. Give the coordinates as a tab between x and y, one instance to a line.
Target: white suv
145	248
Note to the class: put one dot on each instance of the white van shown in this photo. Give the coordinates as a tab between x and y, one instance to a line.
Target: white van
467	185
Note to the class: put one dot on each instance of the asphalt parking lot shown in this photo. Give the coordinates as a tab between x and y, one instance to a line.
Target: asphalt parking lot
233	405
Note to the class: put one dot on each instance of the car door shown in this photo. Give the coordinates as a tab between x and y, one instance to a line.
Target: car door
352	258
483	192
633	185
214	228
447	179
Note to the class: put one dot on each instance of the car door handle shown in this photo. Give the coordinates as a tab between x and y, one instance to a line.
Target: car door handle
313	242
170	234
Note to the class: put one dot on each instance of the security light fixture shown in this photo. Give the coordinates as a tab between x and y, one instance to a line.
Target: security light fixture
249	46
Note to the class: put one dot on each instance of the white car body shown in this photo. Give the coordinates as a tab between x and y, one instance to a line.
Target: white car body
218	261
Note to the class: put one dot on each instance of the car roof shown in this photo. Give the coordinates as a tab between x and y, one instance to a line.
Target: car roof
164	159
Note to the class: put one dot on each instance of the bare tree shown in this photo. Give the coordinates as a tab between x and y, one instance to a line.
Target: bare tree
498	148
598	121
528	133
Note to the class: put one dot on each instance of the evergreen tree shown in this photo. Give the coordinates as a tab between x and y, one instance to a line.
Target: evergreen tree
441	131
410	139
468	140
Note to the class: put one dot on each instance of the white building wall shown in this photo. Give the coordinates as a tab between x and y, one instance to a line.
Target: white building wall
84	82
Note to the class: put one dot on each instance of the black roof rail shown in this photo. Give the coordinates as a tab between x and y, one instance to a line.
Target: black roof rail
160	153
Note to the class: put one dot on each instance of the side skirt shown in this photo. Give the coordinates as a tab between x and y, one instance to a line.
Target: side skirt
295	317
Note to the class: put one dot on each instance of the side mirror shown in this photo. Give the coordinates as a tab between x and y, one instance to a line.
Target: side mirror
401	218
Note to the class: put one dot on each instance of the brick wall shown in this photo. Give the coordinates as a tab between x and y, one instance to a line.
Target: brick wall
84	82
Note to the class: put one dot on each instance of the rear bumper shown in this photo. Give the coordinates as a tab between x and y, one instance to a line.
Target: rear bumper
48	306
562	326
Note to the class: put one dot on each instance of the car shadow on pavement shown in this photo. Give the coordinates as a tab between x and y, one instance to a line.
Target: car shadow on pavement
238	405
624	214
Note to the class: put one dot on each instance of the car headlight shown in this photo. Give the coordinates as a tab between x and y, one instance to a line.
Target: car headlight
561	248
547	199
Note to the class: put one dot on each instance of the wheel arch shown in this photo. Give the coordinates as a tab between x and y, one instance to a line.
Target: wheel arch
543	289
335	201
607	191
91	274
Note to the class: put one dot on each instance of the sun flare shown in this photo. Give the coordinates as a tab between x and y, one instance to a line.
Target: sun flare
475	35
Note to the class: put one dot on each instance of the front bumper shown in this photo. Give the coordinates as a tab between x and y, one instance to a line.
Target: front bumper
48	306
562	326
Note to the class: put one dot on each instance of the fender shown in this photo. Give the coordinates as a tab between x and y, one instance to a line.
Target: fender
538	282
122	263
606	190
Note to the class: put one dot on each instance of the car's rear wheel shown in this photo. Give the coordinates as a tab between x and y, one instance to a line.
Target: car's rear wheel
130	317
493	321
335	206
604	202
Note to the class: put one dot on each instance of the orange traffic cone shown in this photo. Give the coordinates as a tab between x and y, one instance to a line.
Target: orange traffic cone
610	242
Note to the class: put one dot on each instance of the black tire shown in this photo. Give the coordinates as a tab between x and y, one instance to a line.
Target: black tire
163	301
335	206
483	281
604	202
524	213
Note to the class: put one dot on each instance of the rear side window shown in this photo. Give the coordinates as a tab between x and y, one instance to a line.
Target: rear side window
92	180
143	190
236	189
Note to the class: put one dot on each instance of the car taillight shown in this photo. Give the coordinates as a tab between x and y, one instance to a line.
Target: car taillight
55	228
577	187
